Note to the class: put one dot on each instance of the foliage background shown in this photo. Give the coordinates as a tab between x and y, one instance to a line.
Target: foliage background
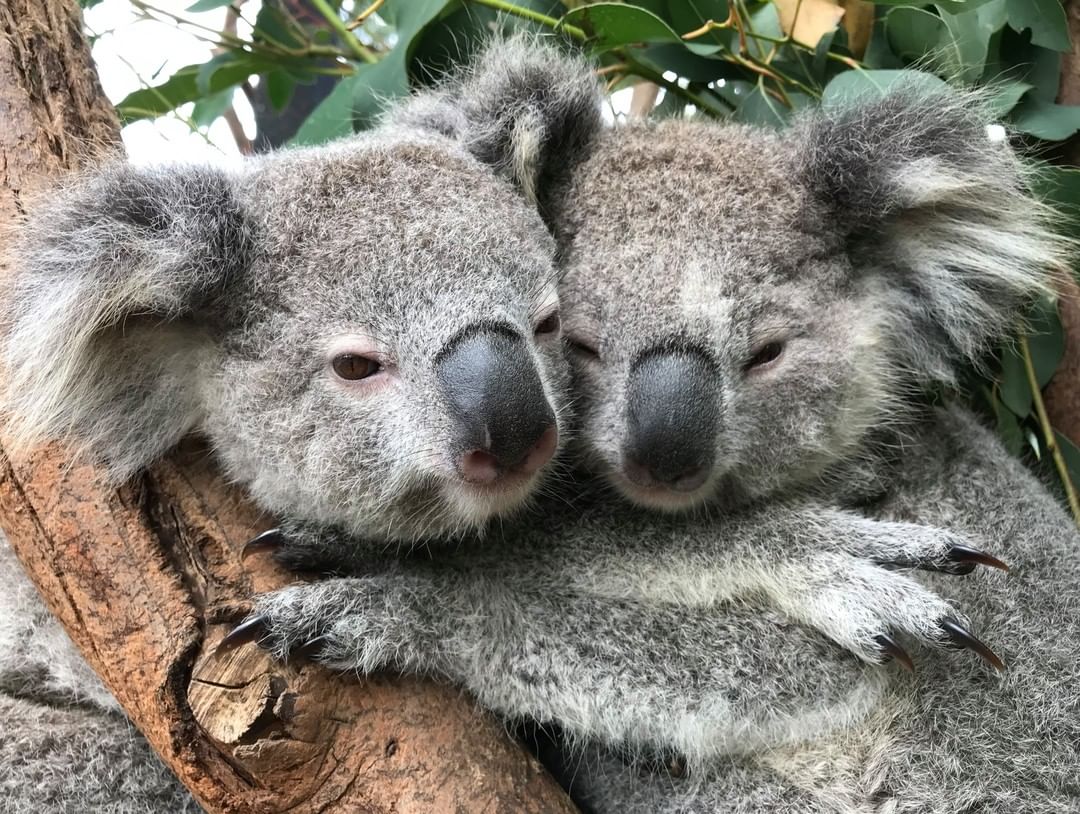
314	70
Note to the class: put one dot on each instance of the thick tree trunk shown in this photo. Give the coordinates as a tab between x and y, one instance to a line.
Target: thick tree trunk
147	578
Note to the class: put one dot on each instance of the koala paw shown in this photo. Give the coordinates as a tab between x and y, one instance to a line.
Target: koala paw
863	607
340	622
907	545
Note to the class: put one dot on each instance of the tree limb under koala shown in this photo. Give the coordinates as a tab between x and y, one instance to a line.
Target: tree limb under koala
146	579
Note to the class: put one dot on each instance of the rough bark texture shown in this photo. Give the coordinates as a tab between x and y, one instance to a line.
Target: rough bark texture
147	578
1063	393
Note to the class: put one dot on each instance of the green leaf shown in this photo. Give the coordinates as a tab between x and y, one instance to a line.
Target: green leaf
1060	187
757	107
615	25
1046	340
965	45
951	6
1046	120
357	100
1008	428
183	87
1045	18
1004	96
208	5
857	85
912	32
688	15
279	88
1013	387
208	109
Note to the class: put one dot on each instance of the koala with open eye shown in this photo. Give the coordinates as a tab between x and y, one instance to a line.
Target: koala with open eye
366	331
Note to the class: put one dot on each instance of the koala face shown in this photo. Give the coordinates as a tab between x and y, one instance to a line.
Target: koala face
745	307
404	377
367	332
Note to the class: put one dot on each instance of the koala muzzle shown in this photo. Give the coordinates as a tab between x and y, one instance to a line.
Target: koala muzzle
504	423
673	418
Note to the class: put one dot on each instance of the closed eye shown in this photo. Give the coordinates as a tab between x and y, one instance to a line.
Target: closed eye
583	347
764	356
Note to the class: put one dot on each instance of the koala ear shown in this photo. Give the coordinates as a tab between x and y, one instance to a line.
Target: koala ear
522	107
106	324
930	196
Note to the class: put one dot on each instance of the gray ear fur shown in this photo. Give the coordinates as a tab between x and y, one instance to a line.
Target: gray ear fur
523	107
942	210
105	317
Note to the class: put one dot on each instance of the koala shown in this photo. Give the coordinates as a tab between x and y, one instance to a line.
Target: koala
367	332
756	321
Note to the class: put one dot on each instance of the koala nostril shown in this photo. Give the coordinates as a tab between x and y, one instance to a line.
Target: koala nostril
686	481
479	466
541	452
638	473
691	480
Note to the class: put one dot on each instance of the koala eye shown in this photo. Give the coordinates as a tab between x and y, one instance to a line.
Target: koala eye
583	348
549	325
353	367
765	355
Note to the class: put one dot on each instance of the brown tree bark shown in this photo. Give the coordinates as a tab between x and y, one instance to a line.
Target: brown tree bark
147	578
1063	392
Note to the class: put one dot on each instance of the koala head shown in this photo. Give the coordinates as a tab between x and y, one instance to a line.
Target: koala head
367	332
748	308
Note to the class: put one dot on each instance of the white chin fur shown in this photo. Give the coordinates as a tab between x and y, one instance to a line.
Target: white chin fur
660	499
475	505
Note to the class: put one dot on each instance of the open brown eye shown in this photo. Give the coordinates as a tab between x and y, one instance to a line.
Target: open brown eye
549	324
351	367
765	355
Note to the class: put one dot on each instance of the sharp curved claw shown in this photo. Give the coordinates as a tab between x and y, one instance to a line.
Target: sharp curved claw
893	649
250	630
964	638
269	540
309	650
965	555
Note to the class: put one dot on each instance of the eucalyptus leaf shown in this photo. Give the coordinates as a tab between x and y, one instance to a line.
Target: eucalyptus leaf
859	85
615	25
1071	455
1046	20
913	32
1046	120
208	5
964	47
757	107
1013	387
951	6
183	87
210	108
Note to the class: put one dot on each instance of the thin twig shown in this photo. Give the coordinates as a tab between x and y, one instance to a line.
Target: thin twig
358	49
1048	431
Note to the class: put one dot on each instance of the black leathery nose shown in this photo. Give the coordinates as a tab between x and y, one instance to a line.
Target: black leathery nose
494	393
673	414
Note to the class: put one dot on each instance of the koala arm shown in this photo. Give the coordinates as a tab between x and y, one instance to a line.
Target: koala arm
835	571
528	643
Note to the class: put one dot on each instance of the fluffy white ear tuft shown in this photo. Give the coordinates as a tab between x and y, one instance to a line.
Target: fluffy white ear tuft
115	277
933	199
